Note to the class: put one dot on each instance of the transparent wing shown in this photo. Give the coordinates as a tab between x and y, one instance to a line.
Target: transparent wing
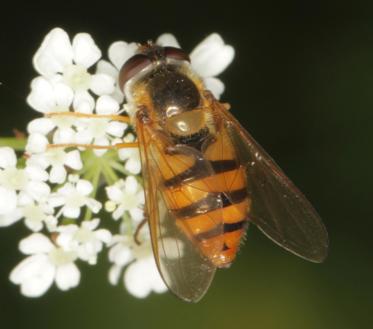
184	269
278	208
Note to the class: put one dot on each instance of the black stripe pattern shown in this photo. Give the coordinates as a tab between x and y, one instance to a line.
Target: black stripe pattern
198	171
222	228
211	202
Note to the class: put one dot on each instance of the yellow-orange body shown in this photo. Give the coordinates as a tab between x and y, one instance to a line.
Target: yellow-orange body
205	177
209	203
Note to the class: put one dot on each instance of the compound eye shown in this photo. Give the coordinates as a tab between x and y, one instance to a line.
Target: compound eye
176	53
133	66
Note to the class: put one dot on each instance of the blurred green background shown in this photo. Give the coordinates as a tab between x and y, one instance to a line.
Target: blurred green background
302	84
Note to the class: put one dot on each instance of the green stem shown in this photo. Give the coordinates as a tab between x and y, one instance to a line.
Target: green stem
95	182
110	176
17	144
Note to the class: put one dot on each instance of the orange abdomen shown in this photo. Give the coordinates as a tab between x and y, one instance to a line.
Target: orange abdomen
212	211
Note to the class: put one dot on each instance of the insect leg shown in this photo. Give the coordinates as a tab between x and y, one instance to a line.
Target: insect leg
96	147
120	118
138	229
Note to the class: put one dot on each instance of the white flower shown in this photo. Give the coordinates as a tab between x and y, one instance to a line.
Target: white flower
141	276
30	180
168	40
15	183
58	159
101	131
70	61
8	219
141	285
119	52
36	143
73	196
46	264
37	212
85	240
209	59
131	156
126	195
52	96
8	194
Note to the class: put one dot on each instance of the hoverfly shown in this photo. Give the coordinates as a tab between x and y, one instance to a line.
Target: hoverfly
205	177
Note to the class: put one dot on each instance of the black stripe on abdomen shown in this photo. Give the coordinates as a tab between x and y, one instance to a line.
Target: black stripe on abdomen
221	229
231	227
220	166
198	171
211	202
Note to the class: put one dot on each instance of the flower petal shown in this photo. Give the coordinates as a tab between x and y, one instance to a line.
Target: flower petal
107	68
40	125
86	53
57	174
131	185
35	243
102	84
36	143
35	274
10	218
64	136
38	190
8	202
71	212
116	128
67	276
38	285
215	85
91	224
120	254
141	285
55	200
167	40
114	274
84	187
114	193
133	166
27	267
103	141
106	105
211	56
94	205
34	225
103	235
36	173
64	95
120	52
8	157
134	279
73	160
41	97
137	214
118	213
83	102
54	53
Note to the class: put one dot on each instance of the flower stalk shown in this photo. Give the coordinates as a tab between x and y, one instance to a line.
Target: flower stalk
17	144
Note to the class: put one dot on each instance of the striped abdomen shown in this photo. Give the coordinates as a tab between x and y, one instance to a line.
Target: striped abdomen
211	207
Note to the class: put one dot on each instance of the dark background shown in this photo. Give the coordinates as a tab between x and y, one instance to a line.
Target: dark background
302	84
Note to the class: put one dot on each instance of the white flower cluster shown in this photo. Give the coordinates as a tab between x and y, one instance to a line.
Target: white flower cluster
54	188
